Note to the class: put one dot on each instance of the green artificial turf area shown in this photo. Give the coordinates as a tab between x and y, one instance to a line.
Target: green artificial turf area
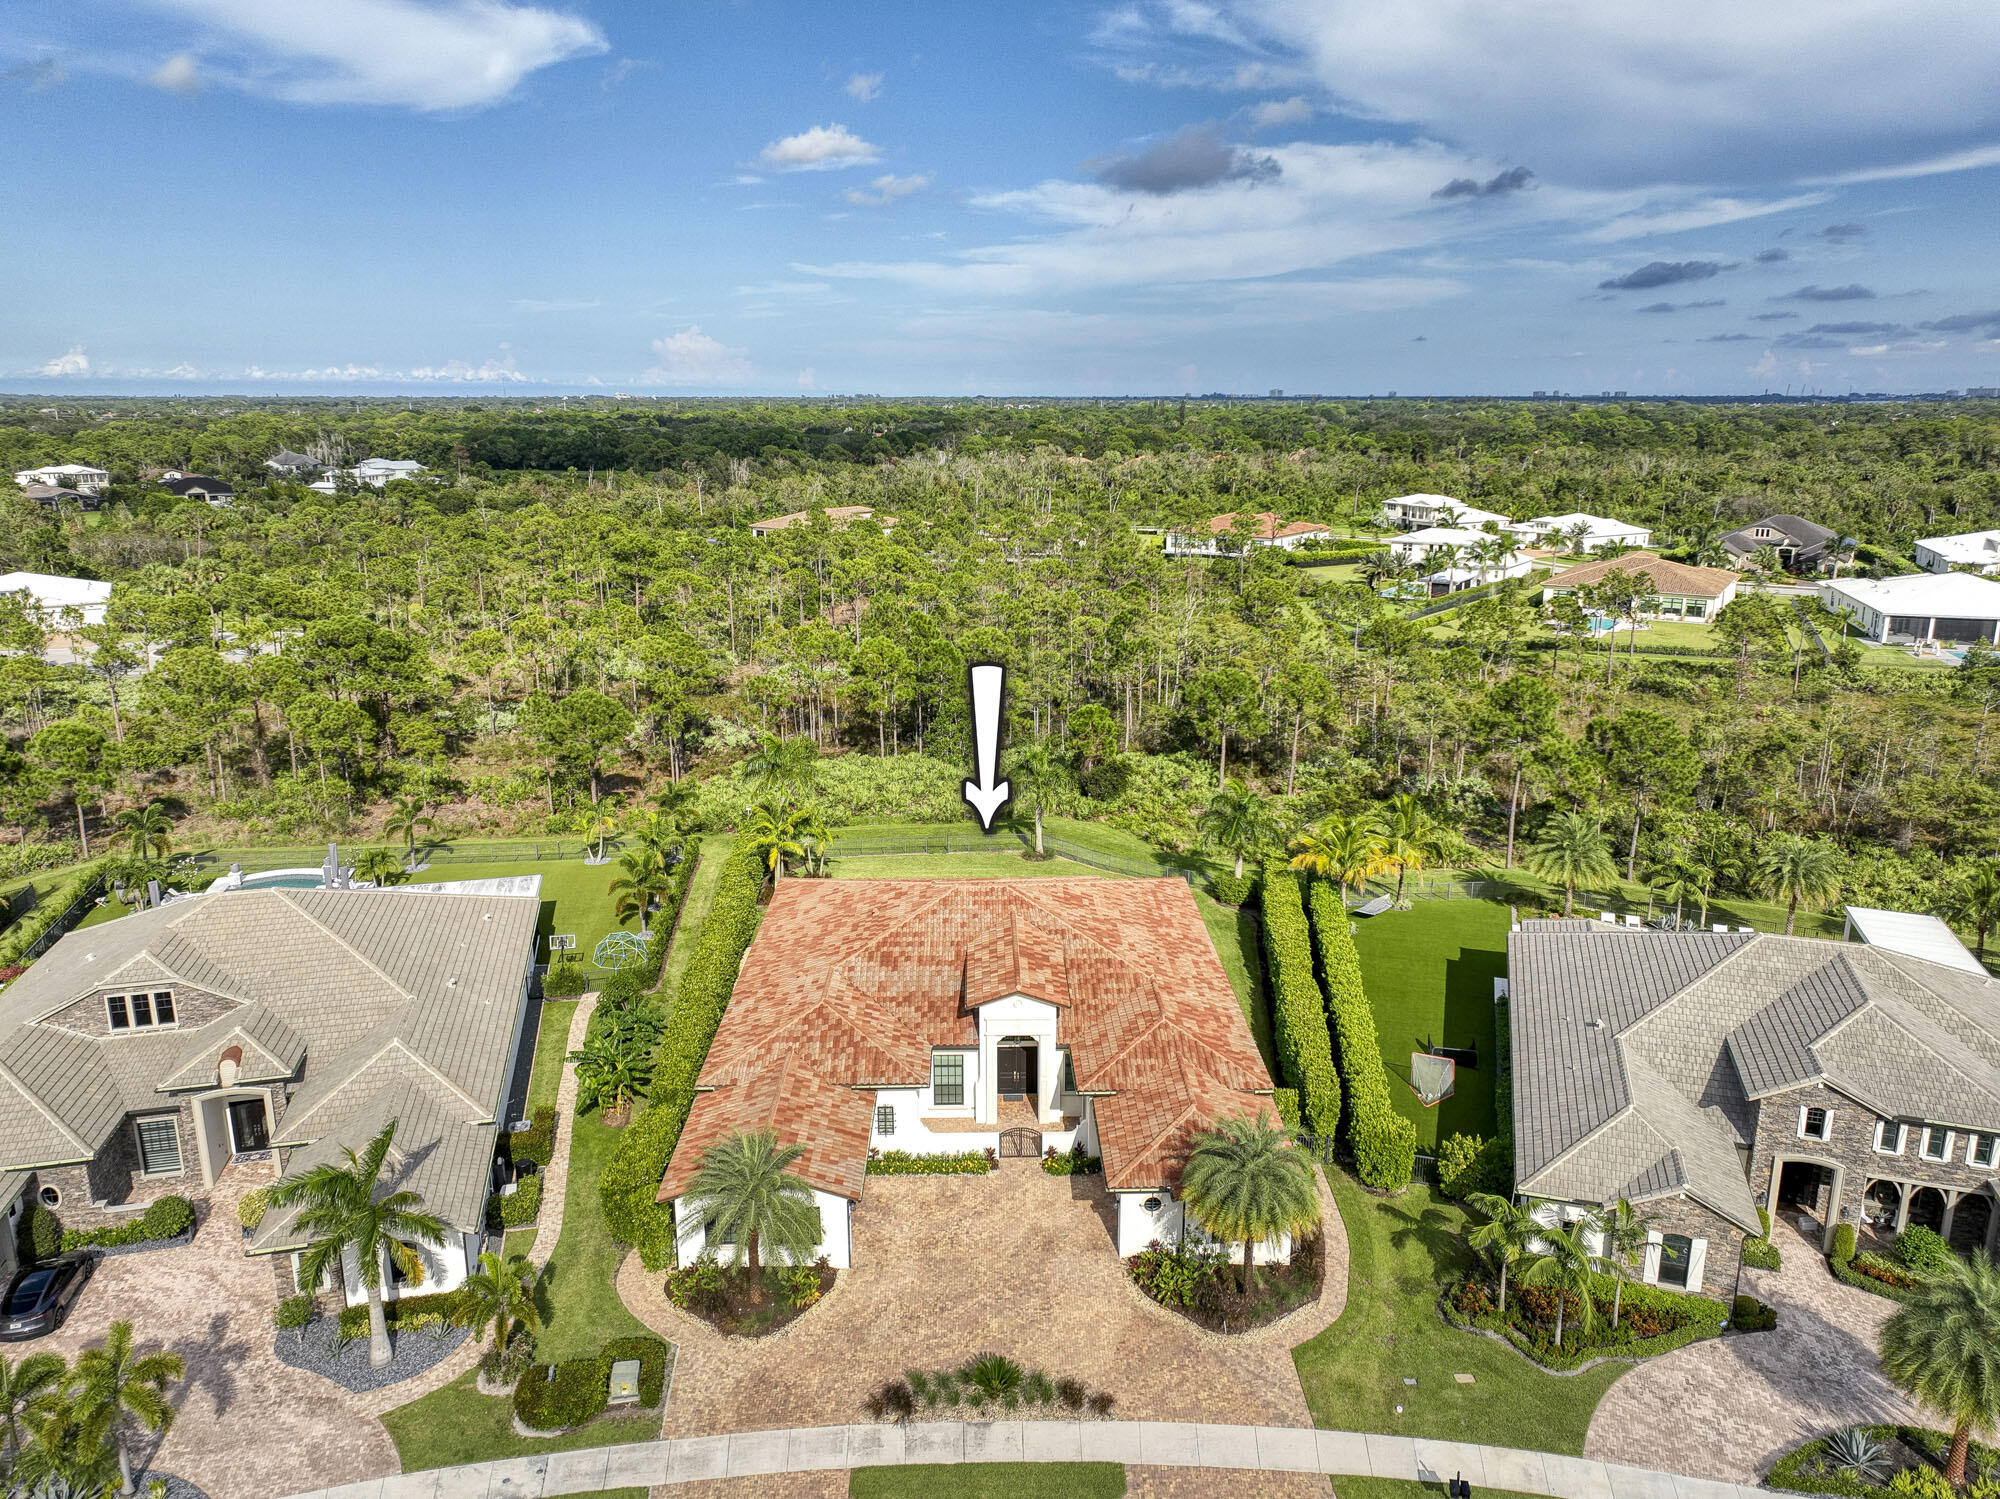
1429	972
990	1481
551	1047
1403	1252
695	907
457	1425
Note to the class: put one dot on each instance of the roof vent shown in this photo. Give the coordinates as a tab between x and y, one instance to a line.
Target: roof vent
451	983
1595	1023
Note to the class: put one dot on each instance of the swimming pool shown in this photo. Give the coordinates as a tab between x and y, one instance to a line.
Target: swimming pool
273	879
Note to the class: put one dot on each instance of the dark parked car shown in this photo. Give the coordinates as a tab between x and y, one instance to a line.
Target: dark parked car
39	1299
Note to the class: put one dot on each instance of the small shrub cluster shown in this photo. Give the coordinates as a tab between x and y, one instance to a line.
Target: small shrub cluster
1748	1314
1071	1162
1232	890
295	1313
1173	1276
720	1294
555	1397
631	1179
1204	1282
803	1284
518	1208
1882	1462
165	1218
405	1314
696	1287
564	980
1651	1319
40	1234
535	1145
1761	1253
1471	1163
1298	1014
1922	1251
902	1163
251	1206
48	910
986	1382
1383	1141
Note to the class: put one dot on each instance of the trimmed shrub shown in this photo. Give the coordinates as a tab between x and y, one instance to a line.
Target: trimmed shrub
1820	1467
1843	1244
1748	1314
48	910
164	1218
554	1397
631	1178
1298	1014
1231	890
1286	1102
1383	1141
295	1312
1071	1162
535	1145
1472	1163
518	1208
404	1311
563	981
251	1205
1922	1251
902	1163
1761	1253
653	1356
40	1234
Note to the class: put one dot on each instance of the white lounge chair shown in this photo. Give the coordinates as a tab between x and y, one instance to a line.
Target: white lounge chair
1610	916
1633	920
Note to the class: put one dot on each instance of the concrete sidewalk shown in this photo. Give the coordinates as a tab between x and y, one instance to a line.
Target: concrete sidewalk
1174	1444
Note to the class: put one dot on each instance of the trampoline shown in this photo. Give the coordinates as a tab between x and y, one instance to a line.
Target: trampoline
1432	1077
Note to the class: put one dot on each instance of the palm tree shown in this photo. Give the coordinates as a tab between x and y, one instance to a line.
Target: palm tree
1565	1263
382	865
1245	1185
500	1296
745	1192
1623	1229
22	1387
613	1067
1505	1235
1036	774
661	833
1571	849
343	1210
72	1451
118	1388
1676	880
1943	1347
1411	838
148	829
406	818
1346	849
1237	821
644	882
783	767
1977	903
776	831
1792	868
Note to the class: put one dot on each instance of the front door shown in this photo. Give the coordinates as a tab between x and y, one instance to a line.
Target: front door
249	1127
1017	1071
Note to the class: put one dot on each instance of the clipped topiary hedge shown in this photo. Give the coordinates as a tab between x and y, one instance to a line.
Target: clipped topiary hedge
164	1218
535	1145
48	910
1232	890
631	1178
1383	1141
554	1397
518	1208
1298	1014
653	1356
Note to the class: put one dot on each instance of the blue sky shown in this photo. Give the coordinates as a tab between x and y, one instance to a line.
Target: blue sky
748	196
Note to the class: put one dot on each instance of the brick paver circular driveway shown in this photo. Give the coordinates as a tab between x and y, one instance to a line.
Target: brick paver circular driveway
1729	1407
247	1426
1018	1262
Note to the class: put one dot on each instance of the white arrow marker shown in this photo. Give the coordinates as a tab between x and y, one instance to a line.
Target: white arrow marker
983	796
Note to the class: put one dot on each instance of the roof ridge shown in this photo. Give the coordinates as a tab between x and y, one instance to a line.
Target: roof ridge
290	898
8	1075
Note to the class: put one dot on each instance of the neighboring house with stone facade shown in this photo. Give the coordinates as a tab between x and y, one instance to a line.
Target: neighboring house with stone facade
247	1032
1016	1016
1703	1075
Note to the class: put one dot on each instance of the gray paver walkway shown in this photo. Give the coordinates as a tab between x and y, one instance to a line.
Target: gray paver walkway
1727	1408
1154	1444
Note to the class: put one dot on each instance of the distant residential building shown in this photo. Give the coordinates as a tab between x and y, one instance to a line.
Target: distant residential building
1441	543
840	516
285	461
52	498
1979	550
199	487
1680	591
1947	607
380	471
1456	579
1415	511
50	595
1223	536
1595	532
66	476
1802	545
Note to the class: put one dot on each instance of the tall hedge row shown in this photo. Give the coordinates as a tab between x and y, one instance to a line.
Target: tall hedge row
632	1176
1383	1141
1298	1015
47	911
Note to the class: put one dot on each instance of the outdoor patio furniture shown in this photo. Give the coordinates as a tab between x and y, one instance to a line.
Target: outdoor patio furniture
1375	907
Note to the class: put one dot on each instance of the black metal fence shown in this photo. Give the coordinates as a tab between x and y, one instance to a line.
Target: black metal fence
63	924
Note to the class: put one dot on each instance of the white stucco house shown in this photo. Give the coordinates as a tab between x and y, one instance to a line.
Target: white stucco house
78	476
49	595
1979	550
1415	511
1599	531
1949	607
1229	534
1444	544
944	1016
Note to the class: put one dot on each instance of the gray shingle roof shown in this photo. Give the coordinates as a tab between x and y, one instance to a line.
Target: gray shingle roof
1773	1049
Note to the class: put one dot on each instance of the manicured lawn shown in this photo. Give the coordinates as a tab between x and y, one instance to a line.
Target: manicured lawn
1525	890
694	911
1402	1253
1429	972
585	1311
576	897
990	1481
457	1424
551	1046
1234	933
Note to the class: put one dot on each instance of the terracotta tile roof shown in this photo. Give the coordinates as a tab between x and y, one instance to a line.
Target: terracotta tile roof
851	983
840	515
1675	578
1264	525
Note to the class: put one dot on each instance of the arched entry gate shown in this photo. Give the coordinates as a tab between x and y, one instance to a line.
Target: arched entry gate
1020	1142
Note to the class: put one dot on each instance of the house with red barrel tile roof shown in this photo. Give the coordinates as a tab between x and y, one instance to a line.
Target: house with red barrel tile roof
940	1016
1227	535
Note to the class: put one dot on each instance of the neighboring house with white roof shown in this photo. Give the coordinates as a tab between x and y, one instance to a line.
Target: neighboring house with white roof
249	1034
1597	532
1979	550
1949	607
380	471
285	461
66	476
1415	511
1446	545
50	595
1703	1075
1230	535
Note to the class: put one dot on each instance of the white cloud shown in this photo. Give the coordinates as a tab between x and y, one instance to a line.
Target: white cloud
1951	161
1585	91
691	357
808	378
492	372
1272	113
179	74
864	88
1704	213
74	363
820	149
886	189
420	54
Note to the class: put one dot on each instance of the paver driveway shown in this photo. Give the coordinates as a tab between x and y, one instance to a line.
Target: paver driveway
247	1426
1729	1407
1018	1262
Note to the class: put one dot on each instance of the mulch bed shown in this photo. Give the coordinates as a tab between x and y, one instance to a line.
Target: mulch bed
323	1352
1221	1306
734	1315
144	1246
